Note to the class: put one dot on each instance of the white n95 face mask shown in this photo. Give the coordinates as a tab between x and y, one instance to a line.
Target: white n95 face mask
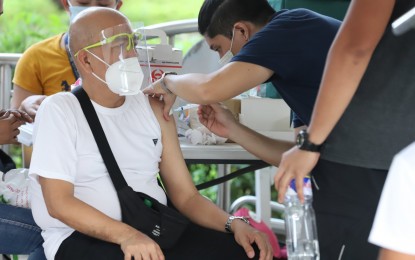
124	77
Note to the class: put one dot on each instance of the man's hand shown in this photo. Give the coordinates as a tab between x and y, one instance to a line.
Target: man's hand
217	118
245	235
295	164
31	104
156	91
139	247
9	125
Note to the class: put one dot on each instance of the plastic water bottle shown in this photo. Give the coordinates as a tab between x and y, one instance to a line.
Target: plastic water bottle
300	224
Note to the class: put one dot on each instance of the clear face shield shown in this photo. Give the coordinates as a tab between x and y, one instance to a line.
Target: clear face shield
118	51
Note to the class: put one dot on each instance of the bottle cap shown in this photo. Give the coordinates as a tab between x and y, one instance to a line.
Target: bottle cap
292	189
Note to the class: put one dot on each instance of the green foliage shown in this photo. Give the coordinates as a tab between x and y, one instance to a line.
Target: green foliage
26	29
160	11
243	185
202	173
21	25
16	153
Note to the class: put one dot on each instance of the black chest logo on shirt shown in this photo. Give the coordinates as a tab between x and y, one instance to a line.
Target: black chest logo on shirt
65	86
155	141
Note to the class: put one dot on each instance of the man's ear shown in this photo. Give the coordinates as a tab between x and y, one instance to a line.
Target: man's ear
119	4
83	61
65	5
244	28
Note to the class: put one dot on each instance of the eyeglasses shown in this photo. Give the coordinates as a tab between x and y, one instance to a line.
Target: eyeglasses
127	40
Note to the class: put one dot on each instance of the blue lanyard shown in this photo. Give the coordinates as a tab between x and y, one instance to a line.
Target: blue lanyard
71	61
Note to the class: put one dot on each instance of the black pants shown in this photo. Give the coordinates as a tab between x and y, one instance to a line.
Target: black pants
345	200
197	243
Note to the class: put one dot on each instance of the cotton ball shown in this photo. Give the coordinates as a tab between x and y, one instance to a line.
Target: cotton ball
195	136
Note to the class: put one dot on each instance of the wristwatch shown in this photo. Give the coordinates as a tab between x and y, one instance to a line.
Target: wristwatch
232	218
163	84
304	144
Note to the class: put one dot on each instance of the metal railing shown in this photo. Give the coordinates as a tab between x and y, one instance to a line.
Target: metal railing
7	63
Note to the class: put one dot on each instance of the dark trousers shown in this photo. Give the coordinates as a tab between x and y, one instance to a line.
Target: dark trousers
345	199
196	243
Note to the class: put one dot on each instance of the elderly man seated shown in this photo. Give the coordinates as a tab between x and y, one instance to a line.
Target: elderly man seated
74	199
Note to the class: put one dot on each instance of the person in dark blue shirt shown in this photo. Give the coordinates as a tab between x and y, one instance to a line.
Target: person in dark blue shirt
294	45
287	48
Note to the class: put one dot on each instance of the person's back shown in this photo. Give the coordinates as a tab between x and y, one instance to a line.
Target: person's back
44	69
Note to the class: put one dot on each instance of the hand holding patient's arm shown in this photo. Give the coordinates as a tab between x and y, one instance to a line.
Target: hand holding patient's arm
155	90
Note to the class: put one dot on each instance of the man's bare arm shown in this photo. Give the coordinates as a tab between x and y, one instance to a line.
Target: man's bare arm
62	205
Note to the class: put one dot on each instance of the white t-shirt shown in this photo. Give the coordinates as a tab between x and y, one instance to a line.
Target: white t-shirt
65	149
394	225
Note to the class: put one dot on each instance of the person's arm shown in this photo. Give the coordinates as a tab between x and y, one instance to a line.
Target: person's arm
386	254
219	120
346	63
184	195
225	83
62	205
26	100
